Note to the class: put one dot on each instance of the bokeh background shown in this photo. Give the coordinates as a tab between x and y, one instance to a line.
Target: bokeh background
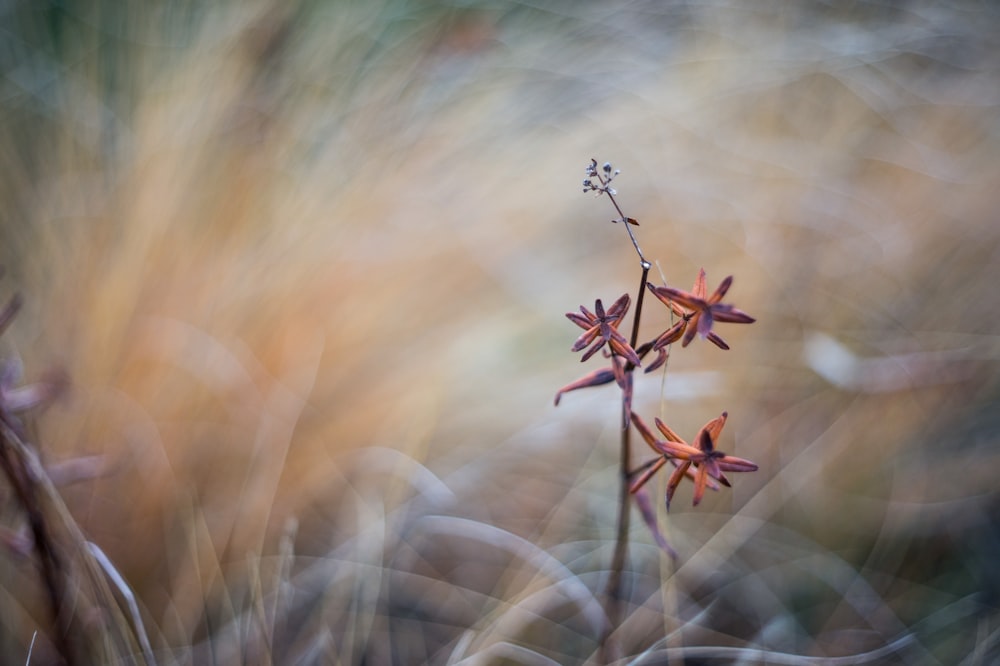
305	266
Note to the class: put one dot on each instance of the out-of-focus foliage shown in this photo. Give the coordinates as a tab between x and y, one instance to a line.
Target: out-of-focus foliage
306	264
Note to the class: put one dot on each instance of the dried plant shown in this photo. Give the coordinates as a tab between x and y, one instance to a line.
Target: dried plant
74	574
703	464
708	463
290	254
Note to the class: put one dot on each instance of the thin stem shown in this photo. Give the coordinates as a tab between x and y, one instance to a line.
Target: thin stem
612	592
628	227
615	608
606	189
638	302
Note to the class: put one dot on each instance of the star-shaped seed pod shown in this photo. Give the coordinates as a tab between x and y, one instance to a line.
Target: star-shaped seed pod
697	312
602	328
703	464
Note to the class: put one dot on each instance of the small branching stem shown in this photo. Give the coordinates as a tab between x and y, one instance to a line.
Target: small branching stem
607	189
615	608
613	590
635	243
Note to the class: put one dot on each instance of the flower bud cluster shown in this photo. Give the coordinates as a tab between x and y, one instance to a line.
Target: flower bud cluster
598	183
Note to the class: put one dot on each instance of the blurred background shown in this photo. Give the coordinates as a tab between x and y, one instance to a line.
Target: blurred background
306	264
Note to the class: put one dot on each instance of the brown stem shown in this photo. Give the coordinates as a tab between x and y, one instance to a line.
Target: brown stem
642	260
613	590
638	304
611	650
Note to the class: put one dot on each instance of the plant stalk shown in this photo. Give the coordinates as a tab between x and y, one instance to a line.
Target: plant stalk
612	592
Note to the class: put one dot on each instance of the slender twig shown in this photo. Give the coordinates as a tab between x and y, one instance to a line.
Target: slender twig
628	227
615	608
613	589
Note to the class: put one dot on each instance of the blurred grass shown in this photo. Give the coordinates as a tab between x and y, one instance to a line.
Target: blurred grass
306	266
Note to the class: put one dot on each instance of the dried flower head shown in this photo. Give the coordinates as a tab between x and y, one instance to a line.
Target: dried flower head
705	465
598	183
697	312
602	328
